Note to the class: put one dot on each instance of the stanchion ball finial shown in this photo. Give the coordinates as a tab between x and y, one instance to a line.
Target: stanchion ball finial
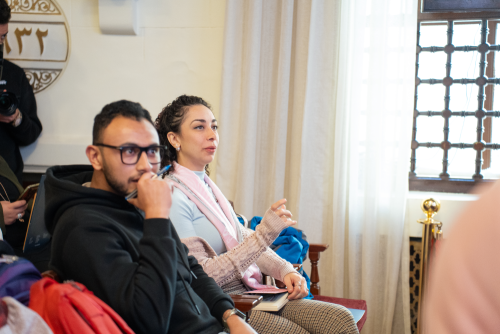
430	207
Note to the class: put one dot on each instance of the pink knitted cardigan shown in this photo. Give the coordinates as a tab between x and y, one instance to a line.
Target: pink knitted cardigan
254	248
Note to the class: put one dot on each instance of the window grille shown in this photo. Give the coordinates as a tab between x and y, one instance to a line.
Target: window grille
482	113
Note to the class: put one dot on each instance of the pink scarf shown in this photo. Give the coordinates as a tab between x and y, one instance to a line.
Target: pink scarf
190	184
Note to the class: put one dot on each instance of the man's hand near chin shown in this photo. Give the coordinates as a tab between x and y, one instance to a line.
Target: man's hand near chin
238	326
154	196
9	119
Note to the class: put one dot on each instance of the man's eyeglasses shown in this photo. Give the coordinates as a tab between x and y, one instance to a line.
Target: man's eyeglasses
131	154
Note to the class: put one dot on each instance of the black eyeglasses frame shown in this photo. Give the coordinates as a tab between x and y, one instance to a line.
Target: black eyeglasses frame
142	149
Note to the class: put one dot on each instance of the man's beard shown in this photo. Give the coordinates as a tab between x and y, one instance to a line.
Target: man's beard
119	187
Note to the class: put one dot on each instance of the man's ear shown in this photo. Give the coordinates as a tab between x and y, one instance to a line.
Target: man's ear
173	139
94	156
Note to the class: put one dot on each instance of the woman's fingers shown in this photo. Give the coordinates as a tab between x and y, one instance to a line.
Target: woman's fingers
283	212
286	216
304	291
13	211
277	205
19	204
288	221
279	208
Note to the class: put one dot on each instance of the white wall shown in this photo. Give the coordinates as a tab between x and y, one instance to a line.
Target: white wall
178	50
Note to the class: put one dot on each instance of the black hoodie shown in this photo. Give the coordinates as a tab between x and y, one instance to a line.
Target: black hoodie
139	267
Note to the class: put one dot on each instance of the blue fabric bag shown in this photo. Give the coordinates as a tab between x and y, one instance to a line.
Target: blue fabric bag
290	245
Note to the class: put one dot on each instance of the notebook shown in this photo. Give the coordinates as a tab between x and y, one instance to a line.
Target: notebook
37	235
272	302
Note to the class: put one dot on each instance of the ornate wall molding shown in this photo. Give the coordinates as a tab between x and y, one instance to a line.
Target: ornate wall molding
38	40
33	7
41	79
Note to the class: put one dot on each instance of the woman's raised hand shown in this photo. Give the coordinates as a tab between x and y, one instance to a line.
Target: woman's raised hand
279	208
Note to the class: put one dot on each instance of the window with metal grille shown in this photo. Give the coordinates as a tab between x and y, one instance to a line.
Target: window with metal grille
454	142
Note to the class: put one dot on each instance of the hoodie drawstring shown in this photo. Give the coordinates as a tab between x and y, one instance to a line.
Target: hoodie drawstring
185	262
184	282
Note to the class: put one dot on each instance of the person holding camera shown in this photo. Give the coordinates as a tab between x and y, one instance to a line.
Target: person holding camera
19	126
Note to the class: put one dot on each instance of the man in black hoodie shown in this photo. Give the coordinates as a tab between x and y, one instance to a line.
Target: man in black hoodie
128	252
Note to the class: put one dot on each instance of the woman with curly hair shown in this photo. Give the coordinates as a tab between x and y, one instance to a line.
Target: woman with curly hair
232	255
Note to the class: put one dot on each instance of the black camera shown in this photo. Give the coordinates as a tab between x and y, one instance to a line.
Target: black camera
8	100
8	103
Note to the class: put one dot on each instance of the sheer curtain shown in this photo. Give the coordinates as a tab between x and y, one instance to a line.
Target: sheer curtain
316	107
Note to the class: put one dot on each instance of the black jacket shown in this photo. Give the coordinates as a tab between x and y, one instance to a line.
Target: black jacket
14	80
139	267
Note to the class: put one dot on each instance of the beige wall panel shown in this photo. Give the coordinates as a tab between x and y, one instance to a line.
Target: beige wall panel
178	51
185	13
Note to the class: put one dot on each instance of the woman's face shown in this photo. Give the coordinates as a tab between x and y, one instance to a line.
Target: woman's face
198	138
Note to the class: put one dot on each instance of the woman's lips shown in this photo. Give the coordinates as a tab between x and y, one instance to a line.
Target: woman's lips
211	149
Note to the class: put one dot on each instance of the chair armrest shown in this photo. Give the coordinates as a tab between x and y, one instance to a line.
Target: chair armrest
245	303
317	248
314	252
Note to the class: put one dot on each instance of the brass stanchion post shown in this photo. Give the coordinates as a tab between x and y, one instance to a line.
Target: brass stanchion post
431	230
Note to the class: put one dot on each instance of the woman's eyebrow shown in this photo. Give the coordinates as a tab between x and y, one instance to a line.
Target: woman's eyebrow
202	120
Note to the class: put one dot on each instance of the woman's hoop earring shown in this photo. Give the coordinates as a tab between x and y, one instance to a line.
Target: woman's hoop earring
178	148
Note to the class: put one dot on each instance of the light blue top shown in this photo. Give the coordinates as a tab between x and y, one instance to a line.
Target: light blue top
189	221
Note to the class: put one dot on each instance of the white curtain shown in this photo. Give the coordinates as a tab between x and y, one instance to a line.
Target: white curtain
316	107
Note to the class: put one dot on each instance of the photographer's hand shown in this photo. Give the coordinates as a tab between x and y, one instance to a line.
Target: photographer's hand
11	118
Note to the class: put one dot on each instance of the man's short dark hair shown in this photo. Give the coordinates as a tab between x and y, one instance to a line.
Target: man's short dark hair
110	111
4	12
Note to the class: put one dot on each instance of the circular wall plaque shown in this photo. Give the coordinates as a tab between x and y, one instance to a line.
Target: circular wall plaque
38	40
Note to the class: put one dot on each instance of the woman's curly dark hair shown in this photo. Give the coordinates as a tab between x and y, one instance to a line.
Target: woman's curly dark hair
170	120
